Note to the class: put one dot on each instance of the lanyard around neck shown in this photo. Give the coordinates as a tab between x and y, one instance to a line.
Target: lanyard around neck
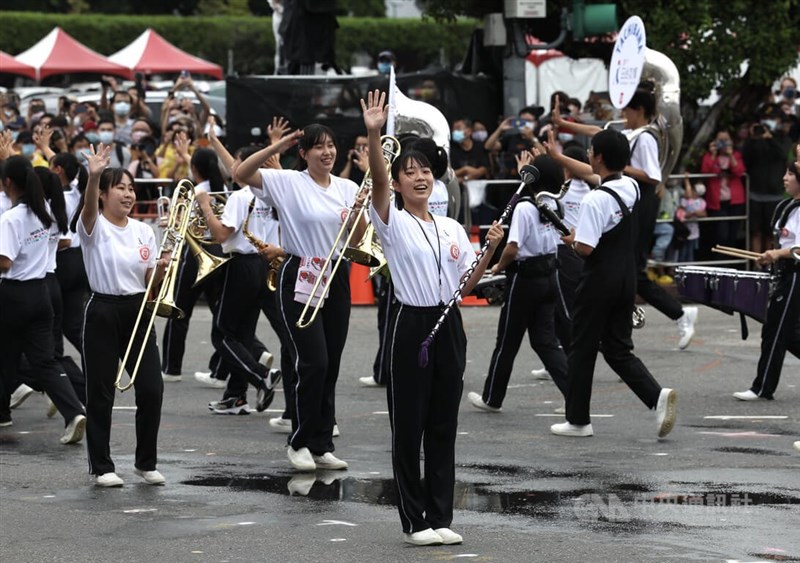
436	256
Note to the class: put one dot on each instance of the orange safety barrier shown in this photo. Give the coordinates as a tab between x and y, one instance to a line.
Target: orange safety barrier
360	285
471	300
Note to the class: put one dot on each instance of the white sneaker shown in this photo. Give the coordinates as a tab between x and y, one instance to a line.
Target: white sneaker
449	537
301	459
666	411
686	326
746	395
369	381
205	378
282	425
151	477
108	480
19	395
425	537
542	374
73	433
477	402
797	445
560	410
567	429
266	360
168	378
335	431
328	461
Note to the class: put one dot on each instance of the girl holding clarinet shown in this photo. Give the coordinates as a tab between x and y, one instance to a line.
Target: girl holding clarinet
428	257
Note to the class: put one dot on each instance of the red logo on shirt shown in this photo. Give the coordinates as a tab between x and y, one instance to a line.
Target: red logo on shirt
343	213
144	252
454	251
784	232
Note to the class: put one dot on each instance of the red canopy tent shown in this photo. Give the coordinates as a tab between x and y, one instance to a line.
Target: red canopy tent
59	53
151	54
12	66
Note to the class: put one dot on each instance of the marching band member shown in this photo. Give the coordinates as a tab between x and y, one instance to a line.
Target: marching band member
204	166
312	204
244	285
120	254
606	238
26	325
781	330
428	257
531	291
644	167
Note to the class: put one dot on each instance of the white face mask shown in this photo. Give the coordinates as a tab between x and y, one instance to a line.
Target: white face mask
106	137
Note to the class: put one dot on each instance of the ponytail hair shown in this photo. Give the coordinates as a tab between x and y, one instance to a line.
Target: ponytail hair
19	170
51	186
437	156
72	168
206	163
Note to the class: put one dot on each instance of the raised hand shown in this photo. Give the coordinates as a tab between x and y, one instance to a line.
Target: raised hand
182	147
210	124
523	158
6	142
288	140
41	136
98	159
278	129
375	110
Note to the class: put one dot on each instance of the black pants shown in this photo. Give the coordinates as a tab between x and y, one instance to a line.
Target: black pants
568	275
602	320
243	287
71	275
175	330
68	365
26	326
529	304
107	333
317	354
781	332
648	290
386	301
423	410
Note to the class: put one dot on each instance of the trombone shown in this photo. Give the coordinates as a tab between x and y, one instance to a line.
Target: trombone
391	149
164	304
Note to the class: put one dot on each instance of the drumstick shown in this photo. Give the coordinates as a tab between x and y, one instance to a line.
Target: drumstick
734	254
741	251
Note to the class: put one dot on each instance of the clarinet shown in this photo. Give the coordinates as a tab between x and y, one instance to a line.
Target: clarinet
529	175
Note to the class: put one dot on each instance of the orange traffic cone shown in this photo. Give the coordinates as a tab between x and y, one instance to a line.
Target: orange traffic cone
471	300
360	285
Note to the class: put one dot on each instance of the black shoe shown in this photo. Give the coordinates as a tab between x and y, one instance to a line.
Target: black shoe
5	419
266	392
231	405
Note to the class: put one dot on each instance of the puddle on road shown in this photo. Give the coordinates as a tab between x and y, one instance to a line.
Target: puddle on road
614	502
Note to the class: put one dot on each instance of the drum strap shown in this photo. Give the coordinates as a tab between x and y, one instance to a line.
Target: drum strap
782	212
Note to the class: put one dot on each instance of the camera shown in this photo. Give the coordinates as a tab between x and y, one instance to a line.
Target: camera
518	123
185	74
759	130
722	145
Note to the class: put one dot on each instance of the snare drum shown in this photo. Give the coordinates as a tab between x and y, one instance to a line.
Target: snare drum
726	289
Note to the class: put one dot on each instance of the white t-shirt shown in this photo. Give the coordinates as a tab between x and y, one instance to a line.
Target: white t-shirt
600	211
72	198
571	202
310	215
790	234
117	258
438	200
26	242
532	236
414	254
644	153
5	202
261	224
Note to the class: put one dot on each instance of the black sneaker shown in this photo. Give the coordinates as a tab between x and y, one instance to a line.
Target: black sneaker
266	392
231	405
5	419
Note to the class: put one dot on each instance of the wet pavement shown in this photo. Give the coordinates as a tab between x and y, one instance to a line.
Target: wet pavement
725	485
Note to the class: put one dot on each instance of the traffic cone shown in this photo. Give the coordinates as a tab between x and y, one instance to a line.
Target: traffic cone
360	285
471	300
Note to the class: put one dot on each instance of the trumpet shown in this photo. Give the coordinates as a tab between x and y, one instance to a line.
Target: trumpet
275	263
391	149
164	303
